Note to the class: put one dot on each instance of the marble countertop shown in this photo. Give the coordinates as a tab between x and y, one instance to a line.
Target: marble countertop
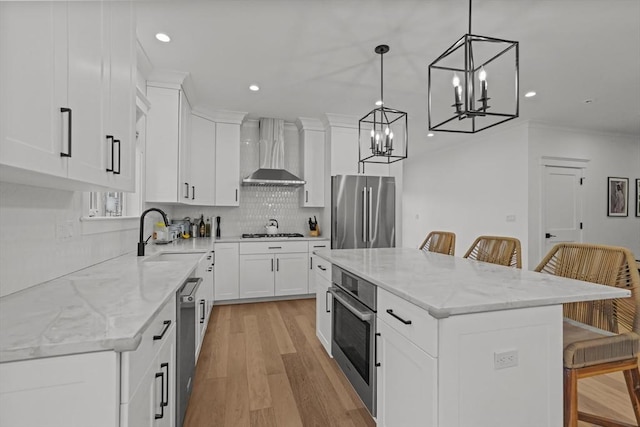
447	286
103	307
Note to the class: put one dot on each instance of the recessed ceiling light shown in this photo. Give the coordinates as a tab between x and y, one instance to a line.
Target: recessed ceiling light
254	88
430	134
530	94
163	37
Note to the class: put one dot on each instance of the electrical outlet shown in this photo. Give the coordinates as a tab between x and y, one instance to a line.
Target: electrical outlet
505	359
511	218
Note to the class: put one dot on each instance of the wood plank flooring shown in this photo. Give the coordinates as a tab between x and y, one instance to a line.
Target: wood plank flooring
262	365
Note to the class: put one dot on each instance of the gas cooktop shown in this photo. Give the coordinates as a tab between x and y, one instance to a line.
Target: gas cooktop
261	235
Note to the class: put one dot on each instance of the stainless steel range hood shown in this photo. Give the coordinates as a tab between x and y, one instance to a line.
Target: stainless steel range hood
272	170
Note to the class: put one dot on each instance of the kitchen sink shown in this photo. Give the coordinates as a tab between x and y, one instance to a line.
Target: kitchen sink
175	256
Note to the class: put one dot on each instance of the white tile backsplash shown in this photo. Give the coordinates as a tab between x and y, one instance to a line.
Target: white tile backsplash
42	237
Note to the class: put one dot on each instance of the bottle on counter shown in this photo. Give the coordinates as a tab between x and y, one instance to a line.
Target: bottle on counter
202	227
207	228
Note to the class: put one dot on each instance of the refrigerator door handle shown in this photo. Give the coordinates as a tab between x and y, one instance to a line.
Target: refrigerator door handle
369	221
364	214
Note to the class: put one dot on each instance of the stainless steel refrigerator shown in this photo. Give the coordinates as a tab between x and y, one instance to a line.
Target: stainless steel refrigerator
363	212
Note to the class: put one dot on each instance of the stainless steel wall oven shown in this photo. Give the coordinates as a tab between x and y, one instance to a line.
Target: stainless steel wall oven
353	334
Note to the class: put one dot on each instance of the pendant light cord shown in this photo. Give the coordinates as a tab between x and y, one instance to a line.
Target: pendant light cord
381	82
469	16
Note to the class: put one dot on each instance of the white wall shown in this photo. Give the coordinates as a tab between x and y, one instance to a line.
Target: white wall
469	188
43	237
606	155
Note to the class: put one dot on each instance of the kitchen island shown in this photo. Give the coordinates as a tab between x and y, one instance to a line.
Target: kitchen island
465	343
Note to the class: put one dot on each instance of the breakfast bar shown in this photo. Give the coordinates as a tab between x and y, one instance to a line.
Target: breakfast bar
460	342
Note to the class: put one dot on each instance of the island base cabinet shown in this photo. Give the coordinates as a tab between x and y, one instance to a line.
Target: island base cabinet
65	391
324	304
407	383
475	390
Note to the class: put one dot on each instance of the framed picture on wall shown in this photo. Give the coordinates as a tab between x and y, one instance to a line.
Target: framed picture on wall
637	197
618	196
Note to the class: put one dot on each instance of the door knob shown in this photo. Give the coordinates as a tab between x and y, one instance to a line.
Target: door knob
548	235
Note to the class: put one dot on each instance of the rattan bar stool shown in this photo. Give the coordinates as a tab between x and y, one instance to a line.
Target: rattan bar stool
599	337
442	242
496	250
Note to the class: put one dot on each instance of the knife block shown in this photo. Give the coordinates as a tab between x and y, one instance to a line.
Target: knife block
316	232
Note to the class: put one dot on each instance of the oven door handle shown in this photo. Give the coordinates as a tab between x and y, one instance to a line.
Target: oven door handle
364	316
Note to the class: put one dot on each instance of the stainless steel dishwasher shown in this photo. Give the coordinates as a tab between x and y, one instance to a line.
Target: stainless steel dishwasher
185	344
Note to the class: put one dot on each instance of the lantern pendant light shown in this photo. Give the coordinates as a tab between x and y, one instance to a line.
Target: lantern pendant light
467	65
382	133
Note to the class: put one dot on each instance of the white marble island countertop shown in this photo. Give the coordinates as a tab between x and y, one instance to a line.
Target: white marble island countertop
447	286
103	307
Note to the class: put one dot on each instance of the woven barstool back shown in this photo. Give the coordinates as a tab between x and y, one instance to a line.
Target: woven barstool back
496	250
442	242
599	337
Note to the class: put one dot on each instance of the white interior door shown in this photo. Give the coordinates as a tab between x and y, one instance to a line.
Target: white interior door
561	206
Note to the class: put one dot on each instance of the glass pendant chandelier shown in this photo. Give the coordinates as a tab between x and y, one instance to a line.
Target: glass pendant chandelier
467	66
382	133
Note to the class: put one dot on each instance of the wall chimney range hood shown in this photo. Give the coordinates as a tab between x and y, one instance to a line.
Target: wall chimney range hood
271	144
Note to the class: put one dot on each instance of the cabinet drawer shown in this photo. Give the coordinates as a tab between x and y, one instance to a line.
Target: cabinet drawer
423	330
319	244
322	268
135	363
273	247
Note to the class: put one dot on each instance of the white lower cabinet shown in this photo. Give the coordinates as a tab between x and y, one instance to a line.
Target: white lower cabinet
256	275
407	382
226	271
153	403
324	303
291	276
273	268
204	296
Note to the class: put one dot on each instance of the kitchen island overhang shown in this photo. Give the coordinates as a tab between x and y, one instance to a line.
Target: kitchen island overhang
485	343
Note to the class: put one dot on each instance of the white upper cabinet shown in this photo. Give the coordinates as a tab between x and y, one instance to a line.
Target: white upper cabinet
202	156
312	151
61	77
163	151
121	110
227	164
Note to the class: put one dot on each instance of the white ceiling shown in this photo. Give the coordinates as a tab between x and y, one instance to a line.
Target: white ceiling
312	57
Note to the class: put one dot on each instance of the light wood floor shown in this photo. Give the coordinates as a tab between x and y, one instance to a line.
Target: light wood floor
262	365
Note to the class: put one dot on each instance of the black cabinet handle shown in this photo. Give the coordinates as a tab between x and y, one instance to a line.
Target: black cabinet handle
236	194
64	110
310	263
278	264
162	397
549	235
406	322
271	264
187	185
202	315
193	192
375	352
326	302
275	247
322	268
110	138
319	246
166	324
307	196
116	141
166	402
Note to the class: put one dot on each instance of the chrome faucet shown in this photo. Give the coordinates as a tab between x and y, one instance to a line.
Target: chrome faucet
142	242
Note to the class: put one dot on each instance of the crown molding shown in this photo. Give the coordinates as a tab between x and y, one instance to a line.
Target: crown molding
340	120
306	123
